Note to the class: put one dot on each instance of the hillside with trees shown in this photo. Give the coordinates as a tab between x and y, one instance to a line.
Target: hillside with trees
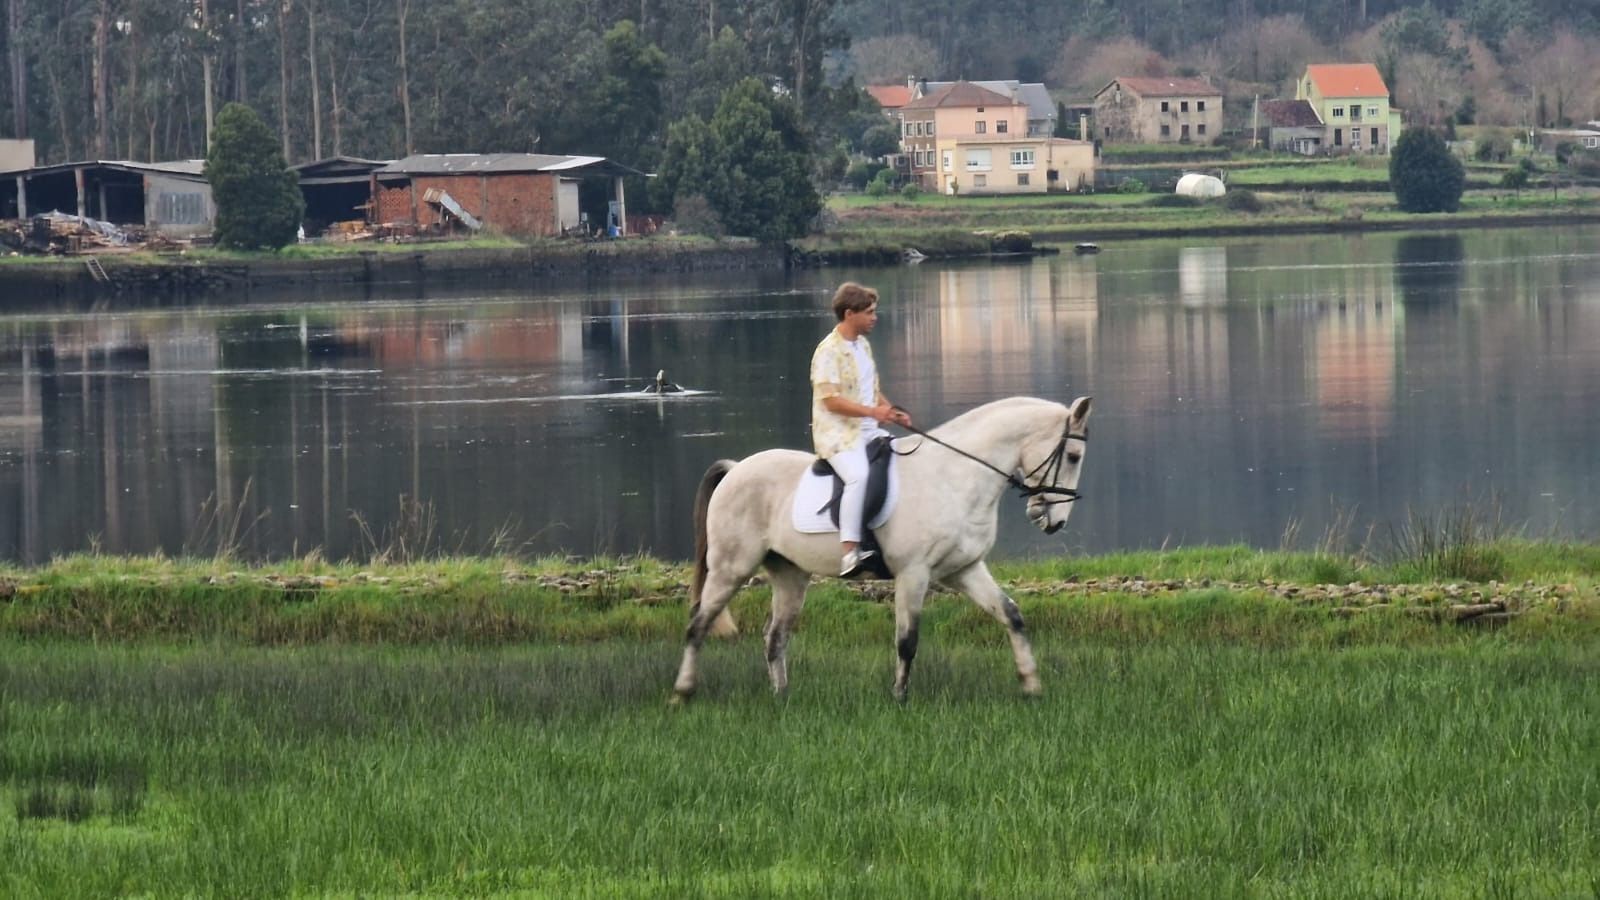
142	79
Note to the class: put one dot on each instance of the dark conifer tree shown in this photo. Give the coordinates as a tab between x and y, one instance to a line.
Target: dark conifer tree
259	205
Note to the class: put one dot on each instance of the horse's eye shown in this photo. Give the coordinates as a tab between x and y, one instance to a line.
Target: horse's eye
1074	457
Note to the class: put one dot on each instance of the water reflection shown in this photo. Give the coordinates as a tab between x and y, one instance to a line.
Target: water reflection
1238	386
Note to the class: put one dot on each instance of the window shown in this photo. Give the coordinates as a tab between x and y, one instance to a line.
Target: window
981	126
905	129
930	129
946	161
1002	126
1355	112
1022	158
980	181
1587	142
1165	106
1374	137
1166	131
1372	111
979	159
1200	106
1338	112
1184	106
1201	128
1022	179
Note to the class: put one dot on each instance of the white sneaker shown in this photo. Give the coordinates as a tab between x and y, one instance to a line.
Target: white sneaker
854	562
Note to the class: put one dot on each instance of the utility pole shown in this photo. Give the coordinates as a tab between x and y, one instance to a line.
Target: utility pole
1255	123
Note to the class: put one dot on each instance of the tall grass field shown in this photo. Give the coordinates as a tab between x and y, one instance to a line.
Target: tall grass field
1230	739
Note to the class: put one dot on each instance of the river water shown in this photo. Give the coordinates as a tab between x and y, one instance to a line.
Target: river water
1244	390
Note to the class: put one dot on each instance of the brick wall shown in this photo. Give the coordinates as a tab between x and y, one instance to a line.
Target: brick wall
509	204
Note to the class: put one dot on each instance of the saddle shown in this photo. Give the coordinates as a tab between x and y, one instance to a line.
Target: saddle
880	453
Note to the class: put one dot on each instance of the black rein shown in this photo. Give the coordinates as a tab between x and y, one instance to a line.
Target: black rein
1048	470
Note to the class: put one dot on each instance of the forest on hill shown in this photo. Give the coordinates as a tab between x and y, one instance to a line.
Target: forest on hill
140	79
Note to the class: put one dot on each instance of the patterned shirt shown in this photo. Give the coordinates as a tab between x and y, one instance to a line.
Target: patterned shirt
845	369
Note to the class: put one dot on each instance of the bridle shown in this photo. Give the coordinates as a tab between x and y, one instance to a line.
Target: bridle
1047	470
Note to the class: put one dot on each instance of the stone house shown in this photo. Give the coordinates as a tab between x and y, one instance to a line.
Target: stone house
1132	110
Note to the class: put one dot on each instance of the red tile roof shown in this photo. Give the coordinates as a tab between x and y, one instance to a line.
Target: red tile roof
890	96
961	94
1169	87
1347	80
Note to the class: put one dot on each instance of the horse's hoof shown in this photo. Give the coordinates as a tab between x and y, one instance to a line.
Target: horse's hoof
680	699
1032	689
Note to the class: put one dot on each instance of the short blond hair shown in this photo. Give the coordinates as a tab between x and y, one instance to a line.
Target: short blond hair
852	297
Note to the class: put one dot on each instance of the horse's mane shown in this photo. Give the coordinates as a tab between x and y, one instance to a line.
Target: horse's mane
970	419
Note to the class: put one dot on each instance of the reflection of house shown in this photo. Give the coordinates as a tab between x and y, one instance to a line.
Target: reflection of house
1355	364
1203	276
1352	103
964	138
1013	323
513	193
171	198
1158	111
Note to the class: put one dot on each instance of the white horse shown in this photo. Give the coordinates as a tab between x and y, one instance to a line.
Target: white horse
951	483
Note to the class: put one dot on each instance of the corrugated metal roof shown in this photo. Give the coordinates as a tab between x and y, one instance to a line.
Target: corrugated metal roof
184	167
503	164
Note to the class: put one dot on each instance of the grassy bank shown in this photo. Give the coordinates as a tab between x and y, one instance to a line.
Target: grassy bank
1216	722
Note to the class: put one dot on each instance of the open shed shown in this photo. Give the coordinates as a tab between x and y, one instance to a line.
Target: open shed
513	193
171	198
337	189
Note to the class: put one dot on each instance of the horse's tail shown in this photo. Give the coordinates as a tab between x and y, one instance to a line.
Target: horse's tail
724	626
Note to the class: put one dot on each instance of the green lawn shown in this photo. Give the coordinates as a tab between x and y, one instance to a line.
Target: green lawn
1216	722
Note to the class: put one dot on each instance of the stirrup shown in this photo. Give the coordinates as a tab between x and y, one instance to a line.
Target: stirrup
854	562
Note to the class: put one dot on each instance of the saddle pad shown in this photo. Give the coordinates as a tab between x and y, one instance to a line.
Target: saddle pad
815	491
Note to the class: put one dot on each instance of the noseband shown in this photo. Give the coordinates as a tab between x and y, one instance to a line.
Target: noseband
1048	470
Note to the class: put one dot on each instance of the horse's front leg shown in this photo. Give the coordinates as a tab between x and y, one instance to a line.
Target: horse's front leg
978	584
910	588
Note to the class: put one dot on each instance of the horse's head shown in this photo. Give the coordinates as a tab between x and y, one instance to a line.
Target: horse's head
1051	464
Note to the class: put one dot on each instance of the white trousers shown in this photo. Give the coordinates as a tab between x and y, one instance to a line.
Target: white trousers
851	466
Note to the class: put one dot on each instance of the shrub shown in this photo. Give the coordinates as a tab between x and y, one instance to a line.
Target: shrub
694	215
1424	174
910	191
259	204
1131	186
861	174
1243	200
1173	200
1514	179
881	184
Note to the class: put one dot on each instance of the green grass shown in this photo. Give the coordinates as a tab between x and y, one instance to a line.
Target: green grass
469	726
1170	767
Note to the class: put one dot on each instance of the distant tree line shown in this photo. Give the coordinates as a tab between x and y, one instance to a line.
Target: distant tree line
143	79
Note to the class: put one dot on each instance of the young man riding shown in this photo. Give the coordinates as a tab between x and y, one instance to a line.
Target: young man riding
847	409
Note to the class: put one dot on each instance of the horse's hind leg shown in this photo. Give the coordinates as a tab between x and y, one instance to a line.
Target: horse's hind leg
714	596
788	596
978	584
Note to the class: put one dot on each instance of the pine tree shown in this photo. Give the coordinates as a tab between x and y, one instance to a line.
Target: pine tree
259	205
1424	175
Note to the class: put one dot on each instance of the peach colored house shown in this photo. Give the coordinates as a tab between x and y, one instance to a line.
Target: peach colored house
967	139
1352	101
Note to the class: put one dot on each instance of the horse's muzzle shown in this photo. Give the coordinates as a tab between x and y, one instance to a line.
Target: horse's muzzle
1053	527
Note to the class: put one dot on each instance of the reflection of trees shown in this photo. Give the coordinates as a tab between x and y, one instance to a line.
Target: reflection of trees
1428	268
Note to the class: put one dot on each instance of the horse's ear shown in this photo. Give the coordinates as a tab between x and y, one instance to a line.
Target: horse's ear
1080	408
